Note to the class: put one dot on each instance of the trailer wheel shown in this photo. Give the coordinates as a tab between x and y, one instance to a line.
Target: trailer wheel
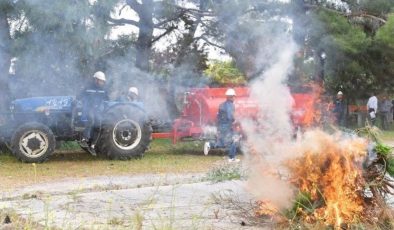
125	133
33	142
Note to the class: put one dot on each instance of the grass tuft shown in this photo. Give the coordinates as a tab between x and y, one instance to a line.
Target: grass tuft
225	172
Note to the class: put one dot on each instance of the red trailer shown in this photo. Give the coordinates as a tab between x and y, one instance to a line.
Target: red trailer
201	105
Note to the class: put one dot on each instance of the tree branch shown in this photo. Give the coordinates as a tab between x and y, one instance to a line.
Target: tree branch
176	16
121	9
352	15
169	30
209	42
193	11
123	21
365	15
134	5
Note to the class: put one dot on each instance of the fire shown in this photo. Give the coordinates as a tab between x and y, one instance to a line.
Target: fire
328	170
314	106
266	208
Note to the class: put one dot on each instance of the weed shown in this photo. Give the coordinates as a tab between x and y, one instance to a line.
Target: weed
225	172
116	221
138	220
17	222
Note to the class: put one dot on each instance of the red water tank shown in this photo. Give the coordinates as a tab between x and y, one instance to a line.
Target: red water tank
202	104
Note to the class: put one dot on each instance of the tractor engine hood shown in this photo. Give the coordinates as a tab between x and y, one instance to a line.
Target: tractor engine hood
42	104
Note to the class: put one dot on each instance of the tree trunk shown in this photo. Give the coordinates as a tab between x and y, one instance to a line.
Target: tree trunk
145	36
5	60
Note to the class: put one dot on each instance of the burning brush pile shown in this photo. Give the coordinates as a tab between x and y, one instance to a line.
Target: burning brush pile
340	180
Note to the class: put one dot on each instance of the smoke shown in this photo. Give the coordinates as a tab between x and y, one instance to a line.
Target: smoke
152	88
269	137
61	45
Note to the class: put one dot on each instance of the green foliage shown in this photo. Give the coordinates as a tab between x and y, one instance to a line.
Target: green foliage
377	7
341	35
358	62
383	150
390	166
385	34
225	172
370	132
225	72
303	201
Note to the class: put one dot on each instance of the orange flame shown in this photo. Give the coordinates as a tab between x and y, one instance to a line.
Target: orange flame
329	169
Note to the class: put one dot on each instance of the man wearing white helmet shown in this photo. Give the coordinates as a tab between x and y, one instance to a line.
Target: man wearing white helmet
99	78
225	120
132	94
92	98
339	109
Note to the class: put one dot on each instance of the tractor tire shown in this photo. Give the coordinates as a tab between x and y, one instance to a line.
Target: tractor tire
125	133
33	142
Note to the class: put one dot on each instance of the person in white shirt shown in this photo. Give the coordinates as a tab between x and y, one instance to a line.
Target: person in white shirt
372	106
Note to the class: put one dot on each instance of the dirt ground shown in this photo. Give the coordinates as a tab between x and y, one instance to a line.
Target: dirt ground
151	201
126	201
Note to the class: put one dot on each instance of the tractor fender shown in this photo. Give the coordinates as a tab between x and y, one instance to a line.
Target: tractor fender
136	105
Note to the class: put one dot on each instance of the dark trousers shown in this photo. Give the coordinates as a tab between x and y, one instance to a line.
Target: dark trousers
372	119
225	140
91	118
384	116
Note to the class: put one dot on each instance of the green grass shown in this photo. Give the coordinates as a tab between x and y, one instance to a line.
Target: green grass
388	135
225	172
162	157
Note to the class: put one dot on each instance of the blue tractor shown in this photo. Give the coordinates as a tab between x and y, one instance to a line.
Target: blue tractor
33	126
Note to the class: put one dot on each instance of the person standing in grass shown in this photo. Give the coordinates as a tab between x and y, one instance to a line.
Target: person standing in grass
226	135
384	112
372	106
339	109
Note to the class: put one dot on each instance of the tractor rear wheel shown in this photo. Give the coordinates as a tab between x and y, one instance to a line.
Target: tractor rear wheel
125	133
33	142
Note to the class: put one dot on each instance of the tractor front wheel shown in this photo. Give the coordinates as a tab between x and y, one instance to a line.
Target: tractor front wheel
33	142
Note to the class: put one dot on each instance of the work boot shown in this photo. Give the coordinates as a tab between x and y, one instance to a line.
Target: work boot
207	147
92	150
233	160
84	143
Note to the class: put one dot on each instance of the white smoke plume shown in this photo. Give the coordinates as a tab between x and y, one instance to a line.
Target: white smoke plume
269	138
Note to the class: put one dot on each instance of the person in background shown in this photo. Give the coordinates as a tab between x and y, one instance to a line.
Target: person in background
225	122
372	107
392	111
92	97
384	112
339	109
132	94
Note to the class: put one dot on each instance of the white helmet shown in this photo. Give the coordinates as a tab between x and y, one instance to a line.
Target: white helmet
340	93
99	75
230	92
133	90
